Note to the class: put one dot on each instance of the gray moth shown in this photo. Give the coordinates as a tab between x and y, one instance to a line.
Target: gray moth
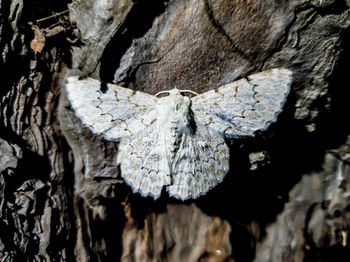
176	141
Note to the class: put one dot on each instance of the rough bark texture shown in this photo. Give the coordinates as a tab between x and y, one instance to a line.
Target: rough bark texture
287	195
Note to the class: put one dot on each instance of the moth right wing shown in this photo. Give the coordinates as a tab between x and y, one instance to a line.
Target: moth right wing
201	163
244	106
116	113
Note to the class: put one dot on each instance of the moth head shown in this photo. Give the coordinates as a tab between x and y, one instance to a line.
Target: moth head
175	105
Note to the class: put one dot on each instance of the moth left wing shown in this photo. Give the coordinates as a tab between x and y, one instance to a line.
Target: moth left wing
115	113
143	162
201	162
244	106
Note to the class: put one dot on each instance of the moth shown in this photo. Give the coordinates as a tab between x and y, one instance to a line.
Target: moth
176	141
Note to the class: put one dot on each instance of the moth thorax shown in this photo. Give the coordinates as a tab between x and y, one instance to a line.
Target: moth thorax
175	106
174	115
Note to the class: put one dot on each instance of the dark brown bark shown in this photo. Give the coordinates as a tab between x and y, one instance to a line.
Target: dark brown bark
286	197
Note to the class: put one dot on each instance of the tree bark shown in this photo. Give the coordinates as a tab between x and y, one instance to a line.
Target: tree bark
286	196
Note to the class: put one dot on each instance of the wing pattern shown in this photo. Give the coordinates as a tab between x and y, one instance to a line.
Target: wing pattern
244	106
117	113
200	164
143	163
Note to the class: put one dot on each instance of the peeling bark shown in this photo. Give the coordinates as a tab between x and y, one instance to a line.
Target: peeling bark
286	197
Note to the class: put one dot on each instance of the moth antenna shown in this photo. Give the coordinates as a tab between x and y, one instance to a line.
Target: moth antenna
181	91
189	91
162	92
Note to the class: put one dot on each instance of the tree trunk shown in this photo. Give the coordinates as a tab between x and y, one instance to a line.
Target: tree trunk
287	194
